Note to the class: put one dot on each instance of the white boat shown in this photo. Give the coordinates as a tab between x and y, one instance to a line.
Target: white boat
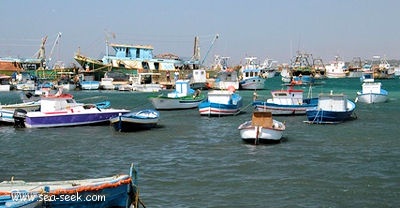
146	82
134	121
261	129
182	98
226	76
28	85
286	75
336	69
372	93
269	68
5	83
106	83
90	85
7	111
286	102
225	79
251	75
198	79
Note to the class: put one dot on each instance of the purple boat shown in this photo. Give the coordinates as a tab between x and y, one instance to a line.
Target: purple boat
63	110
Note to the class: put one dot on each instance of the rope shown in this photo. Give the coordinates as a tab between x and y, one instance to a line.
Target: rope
240	110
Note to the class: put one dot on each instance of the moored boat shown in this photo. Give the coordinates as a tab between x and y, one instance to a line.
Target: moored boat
62	110
182	98
286	102
252	75
336	69
134	121
221	103
116	191
261	129
372	93
7	111
332	108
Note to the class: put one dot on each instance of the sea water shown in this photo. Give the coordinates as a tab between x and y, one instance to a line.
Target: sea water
194	161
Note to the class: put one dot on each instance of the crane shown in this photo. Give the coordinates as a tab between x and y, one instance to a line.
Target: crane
54	45
208	51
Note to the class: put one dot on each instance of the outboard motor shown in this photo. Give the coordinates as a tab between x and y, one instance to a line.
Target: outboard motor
19	118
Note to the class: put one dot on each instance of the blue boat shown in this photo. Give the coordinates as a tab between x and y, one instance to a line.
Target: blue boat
116	191
286	102
221	103
332	108
134	121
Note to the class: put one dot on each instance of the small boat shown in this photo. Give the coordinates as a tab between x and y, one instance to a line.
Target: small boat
103	104
146	82
5	83
114	191
198	79
221	103
286	102
7	111
332	108
226	75
372	93
90	85
134	121
106	83
62	110
182	98
261	129
252	75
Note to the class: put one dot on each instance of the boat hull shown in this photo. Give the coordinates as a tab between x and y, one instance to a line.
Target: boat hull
41	120
90	85
118	191
207	108
279	109
142	120
322	116
251	134
162	103
255	83
372	98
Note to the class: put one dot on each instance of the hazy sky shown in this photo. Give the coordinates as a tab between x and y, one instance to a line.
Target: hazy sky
261	28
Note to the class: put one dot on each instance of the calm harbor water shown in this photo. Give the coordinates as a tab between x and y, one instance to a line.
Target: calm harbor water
193	161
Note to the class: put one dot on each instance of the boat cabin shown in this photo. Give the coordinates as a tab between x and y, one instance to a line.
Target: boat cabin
287	97
56	103
182	89
371	87
332	102
221	97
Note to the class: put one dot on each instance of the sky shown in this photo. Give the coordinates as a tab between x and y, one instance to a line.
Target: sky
274	29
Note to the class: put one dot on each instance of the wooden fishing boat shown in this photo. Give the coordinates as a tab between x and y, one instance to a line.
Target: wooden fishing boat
134	121
116	191
261	129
